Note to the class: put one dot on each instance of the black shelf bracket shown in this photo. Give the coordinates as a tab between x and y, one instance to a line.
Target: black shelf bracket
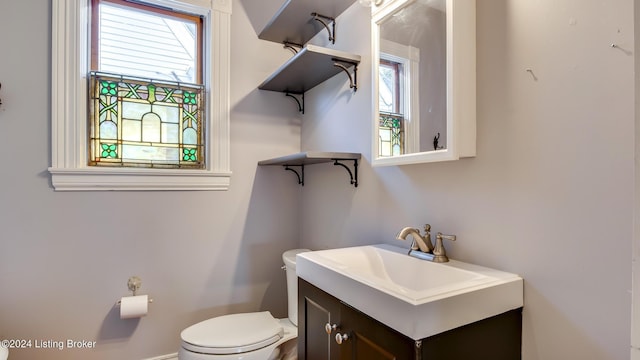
354	174
296	163
292	46
353	80
324	20
300	101
300	174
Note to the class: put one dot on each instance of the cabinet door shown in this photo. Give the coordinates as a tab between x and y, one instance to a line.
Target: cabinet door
316	309
369	339
497	338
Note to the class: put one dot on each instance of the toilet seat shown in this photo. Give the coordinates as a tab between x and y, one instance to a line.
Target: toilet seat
232	334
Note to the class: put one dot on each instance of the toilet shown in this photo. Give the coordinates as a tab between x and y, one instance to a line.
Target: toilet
248	336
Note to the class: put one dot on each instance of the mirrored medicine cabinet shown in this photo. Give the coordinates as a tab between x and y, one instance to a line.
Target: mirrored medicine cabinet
424	81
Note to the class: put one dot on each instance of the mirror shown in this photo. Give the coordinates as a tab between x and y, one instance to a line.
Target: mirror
424	96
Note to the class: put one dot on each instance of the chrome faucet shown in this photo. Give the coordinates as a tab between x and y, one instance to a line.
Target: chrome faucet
422	247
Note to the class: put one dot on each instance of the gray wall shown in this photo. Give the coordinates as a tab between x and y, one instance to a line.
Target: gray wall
66	257
549	195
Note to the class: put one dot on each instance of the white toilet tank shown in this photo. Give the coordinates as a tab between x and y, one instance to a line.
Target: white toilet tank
289	259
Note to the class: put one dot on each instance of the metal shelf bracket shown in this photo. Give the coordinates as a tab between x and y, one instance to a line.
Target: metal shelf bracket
300	174
296	163
354	174
300	101
324	20
295	48
353	80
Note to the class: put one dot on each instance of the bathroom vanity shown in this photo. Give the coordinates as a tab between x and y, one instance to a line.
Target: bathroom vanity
498	337
375	302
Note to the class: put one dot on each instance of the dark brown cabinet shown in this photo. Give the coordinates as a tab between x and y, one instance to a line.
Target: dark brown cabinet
316	309
364	338
371	340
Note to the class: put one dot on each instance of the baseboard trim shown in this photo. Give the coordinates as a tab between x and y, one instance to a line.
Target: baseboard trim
173	356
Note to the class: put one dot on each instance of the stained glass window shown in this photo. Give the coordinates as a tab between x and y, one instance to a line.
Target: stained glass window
145	87
391	125
391	134
140	122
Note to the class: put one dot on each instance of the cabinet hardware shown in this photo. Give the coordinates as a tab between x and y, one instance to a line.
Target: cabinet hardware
341	337
330	328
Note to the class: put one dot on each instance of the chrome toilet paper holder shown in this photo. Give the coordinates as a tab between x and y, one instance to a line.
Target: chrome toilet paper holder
134	284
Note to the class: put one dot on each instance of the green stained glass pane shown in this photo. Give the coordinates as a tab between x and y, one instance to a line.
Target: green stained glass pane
130	90
195	125
190	98
108	107
108	88
152	93
108	150
189	154
190	116
165	94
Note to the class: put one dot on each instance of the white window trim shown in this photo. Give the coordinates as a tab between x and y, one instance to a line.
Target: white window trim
409	57
69	68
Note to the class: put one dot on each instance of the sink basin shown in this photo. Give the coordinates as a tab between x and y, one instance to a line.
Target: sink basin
418	298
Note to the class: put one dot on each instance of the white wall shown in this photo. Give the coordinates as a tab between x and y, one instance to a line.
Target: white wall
549	195
66	257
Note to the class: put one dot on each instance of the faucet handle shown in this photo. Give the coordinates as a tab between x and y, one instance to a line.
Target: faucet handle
439	252
443	236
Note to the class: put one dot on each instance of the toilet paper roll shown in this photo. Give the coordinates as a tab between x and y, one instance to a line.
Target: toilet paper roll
134	306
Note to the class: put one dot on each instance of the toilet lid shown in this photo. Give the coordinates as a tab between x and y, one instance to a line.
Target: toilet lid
230	334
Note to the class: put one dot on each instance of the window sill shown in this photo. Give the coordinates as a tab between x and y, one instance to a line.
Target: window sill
101	179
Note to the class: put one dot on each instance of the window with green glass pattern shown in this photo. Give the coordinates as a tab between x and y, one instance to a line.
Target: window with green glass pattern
146	92
391	120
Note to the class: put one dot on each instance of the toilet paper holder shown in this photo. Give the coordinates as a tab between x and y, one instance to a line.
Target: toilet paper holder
134	283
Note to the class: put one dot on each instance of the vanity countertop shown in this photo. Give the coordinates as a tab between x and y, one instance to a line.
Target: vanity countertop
418	298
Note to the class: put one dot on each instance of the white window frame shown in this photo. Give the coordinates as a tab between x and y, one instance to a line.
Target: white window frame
69	70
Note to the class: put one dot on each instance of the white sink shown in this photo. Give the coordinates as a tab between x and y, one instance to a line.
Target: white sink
416	297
